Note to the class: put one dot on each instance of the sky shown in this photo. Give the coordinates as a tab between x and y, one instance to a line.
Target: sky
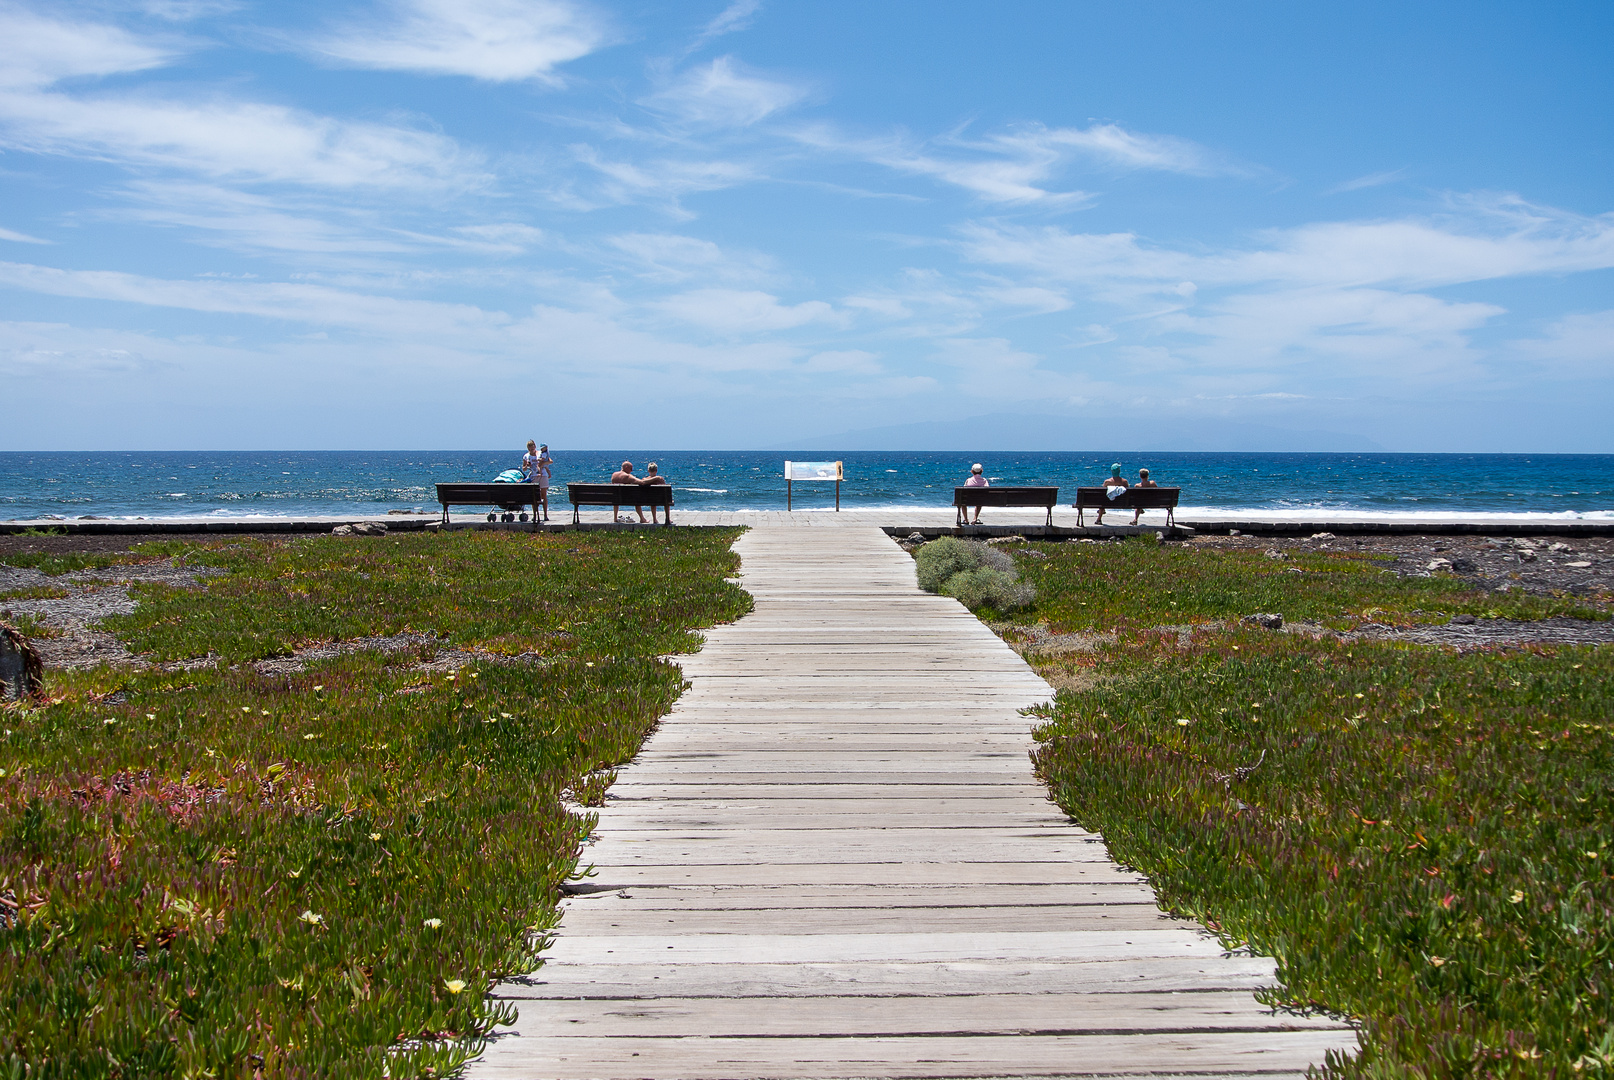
831	225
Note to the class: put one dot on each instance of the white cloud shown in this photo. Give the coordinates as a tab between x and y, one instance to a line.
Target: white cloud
186	10
273	300
56	350
233	139
737	16
1576	346
669	257
508	237
1015	166
40	51
1371	180
723	94
243	221
1404	336
1113	145
732	311
1034	299
493	40
844	362
20	238
217	137
662	181
1492	241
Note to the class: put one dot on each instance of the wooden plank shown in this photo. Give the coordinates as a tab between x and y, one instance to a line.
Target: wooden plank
698	1058
976	1014
853	897
624	918
832	860
730	982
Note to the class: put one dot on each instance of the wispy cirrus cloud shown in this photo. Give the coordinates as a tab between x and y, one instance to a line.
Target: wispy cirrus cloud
1575	346
491	40
723	94
1371	180
20	238
1488	239
1017	166
737	311
214	135
732	19
672	258
41	50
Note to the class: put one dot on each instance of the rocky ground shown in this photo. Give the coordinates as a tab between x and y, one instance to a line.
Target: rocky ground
1546	565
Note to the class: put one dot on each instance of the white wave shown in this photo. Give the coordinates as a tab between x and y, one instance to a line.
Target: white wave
710	491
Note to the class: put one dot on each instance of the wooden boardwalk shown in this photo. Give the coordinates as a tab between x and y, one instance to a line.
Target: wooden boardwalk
833	861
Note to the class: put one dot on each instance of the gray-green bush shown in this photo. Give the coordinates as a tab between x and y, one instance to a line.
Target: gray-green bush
973	573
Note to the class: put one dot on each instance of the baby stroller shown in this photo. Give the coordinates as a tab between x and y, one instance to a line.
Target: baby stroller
509	509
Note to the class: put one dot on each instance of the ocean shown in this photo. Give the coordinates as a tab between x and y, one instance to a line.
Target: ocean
292	484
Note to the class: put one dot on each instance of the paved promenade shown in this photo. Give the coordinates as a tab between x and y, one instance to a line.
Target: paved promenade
833	861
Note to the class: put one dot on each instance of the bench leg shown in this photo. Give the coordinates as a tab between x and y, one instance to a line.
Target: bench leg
1050	517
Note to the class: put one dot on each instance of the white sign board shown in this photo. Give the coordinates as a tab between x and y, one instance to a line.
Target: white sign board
813	470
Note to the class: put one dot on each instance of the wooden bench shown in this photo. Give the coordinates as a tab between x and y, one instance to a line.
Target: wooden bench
504	496
616	496
1005	496
1136	498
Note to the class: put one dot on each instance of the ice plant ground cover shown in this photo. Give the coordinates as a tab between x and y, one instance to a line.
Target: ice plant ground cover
1420	837
320	868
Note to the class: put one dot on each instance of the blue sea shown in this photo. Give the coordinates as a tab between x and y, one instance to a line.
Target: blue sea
295	484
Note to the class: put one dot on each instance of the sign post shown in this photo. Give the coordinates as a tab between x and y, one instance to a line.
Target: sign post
813	470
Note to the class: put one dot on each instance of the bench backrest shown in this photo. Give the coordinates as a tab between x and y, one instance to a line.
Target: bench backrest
508	496
1005	496
1136	498
620	494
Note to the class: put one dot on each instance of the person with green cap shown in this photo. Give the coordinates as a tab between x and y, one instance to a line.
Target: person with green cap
1114	487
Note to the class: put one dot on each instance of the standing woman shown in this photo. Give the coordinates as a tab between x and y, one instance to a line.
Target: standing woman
544	473
531	463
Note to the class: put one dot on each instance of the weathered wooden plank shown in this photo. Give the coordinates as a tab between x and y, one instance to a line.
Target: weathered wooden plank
1145	976
1175	941
976	1014
625	918
698	1058
853	897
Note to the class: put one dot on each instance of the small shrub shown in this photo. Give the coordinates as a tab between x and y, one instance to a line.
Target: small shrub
942	558
973	573
987	586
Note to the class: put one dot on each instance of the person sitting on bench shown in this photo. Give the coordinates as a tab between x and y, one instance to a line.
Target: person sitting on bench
977	479
1114	480
1143	482
625	475
652	476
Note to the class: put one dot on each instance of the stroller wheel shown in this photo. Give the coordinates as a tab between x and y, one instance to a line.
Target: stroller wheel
523	516
493	517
